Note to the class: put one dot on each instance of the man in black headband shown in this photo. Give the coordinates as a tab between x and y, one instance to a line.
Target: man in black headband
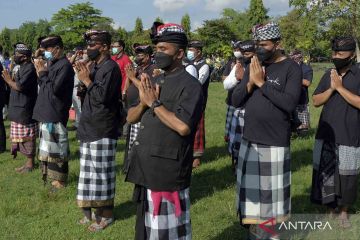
336	161
24	129
247	51
97	131
302	114
161	157
269	91
56	82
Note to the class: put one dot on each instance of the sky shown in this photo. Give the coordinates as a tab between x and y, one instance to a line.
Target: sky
124	12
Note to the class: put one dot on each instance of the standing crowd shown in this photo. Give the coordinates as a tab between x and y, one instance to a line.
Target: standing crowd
158	104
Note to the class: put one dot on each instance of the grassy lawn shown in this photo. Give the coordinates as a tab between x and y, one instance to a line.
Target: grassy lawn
29	211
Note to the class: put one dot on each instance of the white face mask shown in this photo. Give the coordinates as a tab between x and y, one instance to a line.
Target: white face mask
238	54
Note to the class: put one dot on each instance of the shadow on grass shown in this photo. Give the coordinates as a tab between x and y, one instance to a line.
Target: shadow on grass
125	210
207	182
233	232
215	153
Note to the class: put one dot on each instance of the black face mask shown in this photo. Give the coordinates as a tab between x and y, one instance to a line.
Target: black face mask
18	59
93	53
163	60
340	63
264	54
139	61
247	60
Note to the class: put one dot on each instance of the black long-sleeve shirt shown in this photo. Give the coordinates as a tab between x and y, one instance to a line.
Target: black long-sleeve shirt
100	113
22	101
268	109
55	93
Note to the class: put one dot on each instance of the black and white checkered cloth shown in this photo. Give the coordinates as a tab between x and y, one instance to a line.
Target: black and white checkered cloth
268	31
263	183
54	144
97	177
134	130
303	115
166	225
236	132
229	116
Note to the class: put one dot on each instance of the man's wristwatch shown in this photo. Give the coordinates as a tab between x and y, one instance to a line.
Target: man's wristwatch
155	104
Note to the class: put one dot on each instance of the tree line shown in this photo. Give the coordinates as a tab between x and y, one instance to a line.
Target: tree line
309	26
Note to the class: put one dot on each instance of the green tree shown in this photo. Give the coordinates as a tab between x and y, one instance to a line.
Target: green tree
186	24
158	19
216	36
238	23
71	23
257	13
335	17
139	28
5	40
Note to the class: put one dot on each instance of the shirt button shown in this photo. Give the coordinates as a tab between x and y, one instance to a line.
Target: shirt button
162	81
136	143
142	127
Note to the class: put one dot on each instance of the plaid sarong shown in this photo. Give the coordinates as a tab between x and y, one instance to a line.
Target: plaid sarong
335	174
199	140
165	225
97	177
263	183
303	115
134	130
229	116
54	151
236	132
23	132
54	143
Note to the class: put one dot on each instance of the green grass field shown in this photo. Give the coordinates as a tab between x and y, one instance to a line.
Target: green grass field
29	211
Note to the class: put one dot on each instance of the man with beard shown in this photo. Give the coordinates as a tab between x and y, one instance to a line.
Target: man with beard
161	157
23	129
56	83
336	158
269	91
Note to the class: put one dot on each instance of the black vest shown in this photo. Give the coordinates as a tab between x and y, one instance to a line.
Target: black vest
204	86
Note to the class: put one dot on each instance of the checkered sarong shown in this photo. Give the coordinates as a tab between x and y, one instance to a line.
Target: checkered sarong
166	225
229	116
23	132
303	115
335	174
263	183
134	130
97	177
236	132
54	144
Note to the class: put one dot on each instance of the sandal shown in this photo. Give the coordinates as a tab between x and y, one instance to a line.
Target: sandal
84	221
104	223
344	223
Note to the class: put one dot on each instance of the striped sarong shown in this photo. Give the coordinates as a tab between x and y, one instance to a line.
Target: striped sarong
263	183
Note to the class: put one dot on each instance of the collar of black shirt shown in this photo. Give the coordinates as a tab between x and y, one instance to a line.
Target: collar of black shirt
354	69
106	58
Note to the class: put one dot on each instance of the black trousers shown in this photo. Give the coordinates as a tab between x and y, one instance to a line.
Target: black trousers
2	131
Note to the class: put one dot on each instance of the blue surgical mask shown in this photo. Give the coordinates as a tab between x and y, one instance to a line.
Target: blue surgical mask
114	50
48	55
190	55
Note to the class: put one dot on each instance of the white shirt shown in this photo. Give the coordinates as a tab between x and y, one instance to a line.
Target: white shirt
191	69
204	72
230	81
